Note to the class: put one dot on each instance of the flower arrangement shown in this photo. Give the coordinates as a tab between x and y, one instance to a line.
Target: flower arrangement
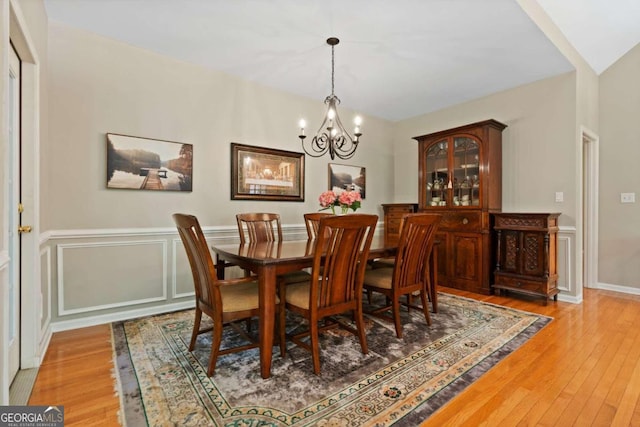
346	200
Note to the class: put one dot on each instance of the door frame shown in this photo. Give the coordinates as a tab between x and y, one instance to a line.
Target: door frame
589	208
33	338
12	201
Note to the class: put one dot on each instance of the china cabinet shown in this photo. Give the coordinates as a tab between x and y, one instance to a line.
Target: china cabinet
526	253
393	213
460	177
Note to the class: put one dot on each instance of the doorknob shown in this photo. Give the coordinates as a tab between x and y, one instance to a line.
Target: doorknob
24	229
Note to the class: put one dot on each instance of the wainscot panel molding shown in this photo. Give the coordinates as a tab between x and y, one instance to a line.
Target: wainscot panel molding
566	249
183	270
45	300
128	264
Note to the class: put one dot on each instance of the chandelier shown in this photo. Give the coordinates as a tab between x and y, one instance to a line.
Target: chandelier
332	136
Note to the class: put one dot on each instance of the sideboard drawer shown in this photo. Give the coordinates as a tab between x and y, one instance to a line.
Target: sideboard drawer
461	221
517	283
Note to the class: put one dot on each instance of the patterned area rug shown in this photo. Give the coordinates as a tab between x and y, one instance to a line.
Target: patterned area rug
400	382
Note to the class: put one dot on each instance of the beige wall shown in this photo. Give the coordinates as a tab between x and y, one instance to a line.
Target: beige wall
100	85
538	147
619	254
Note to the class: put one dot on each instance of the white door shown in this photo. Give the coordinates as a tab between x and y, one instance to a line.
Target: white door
14	214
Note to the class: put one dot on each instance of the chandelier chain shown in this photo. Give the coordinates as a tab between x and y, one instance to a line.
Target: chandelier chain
332	69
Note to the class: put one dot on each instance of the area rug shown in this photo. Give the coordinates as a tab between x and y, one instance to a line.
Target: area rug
399	382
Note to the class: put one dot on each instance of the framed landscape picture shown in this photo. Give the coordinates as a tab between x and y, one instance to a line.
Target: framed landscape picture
137	163
345	177
259	173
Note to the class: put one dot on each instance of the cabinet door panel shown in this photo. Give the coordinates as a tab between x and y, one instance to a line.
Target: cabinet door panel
532	254
509	257
465	253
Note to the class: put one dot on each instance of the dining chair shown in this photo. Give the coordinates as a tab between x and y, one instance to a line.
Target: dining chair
266	227
339	261
259	227
225	301
410	274
312	222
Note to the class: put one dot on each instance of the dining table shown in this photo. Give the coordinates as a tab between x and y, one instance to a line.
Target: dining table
268	260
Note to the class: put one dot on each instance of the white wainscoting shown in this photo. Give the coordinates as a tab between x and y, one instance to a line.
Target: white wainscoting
87	260
98	270
45	300
566	266
80	263
181	269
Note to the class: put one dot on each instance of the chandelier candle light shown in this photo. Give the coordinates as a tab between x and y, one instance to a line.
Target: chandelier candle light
332	136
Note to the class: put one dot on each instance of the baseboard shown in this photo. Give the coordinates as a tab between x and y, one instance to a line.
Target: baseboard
618	288
84	322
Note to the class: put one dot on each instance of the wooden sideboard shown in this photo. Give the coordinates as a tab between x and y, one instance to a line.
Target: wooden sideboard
392	216
526	253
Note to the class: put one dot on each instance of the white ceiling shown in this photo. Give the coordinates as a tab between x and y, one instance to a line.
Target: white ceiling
396	59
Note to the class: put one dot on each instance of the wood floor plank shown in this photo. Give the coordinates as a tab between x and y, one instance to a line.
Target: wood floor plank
583	368
611	365
77	372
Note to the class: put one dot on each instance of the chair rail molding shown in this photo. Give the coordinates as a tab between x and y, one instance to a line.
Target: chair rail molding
4	259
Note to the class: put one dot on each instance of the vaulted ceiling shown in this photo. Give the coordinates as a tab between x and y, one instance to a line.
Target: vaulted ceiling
396	59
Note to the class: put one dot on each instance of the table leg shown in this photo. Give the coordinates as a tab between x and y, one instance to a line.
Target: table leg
267	284
220	265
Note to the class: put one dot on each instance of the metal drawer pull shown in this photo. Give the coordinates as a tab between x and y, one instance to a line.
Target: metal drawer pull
465	221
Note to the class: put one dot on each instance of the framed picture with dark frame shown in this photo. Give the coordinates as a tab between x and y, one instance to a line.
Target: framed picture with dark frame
259	173
137	163
346	177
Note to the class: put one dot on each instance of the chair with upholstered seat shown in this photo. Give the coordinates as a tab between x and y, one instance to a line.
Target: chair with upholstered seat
259	227
224	301
339	261
265	227
410	274
312	222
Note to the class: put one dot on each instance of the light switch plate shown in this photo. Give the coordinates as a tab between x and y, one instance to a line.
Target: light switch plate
627	197
559	196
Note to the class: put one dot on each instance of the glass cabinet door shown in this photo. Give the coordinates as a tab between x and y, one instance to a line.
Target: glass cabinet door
437	174
466	172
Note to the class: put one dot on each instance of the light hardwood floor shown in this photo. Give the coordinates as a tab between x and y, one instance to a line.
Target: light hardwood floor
583	369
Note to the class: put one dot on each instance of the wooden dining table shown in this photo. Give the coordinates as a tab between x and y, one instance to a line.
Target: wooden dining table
270	259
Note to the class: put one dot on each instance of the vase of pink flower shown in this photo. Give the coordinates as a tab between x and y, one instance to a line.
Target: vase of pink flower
345	200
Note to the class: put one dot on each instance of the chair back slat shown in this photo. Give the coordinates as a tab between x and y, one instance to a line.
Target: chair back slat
340	258
259	227
417	234
312	222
